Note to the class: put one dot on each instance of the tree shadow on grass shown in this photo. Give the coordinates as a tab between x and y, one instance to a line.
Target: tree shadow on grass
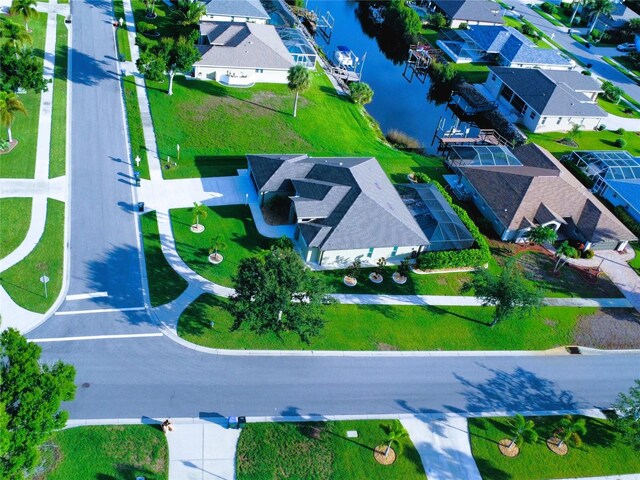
488	470
442	311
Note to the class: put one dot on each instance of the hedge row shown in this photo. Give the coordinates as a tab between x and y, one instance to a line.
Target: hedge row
628	220
475	256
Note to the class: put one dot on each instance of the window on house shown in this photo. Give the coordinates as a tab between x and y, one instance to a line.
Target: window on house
559	120
493	77
259	70
370	253
533	115
544	119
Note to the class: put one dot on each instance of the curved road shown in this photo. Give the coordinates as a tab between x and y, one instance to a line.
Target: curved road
155	377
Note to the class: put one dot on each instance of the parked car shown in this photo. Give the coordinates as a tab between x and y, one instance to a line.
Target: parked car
626	47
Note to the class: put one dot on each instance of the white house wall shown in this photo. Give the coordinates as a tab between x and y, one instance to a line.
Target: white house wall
344	258
224	18
264	76
455	23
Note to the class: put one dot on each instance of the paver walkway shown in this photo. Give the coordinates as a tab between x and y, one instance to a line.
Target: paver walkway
202	451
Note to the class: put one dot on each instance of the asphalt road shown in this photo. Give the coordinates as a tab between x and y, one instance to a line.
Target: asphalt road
155	377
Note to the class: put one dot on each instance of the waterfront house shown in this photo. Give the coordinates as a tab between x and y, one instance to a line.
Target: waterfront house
235	11
500	45
615	175
241	54
545	100
526	187
471	12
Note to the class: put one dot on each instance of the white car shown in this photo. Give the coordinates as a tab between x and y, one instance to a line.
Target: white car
626	47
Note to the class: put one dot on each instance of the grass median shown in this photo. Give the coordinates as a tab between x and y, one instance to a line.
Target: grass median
122	34
134	125
16	217
58	154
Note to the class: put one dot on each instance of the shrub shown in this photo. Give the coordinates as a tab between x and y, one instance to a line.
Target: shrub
144	27
621	143
627	220
573	252
549	8
586	72
4	144
601	127
442	73
402	140
620	131
528	30
422	178
588	253
437	20
463	26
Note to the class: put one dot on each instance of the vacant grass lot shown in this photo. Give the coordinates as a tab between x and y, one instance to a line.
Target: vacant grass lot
16	217
134	124
321	451
108	452
586	140
57	157
620	109
22	280
164	282
21	161
372	327
217	126
602	453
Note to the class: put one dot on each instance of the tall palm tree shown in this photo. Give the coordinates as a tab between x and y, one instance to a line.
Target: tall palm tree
600	7
199	210
562	253
584	3
9	106
26	9
522	429
395	433
299	80
571	428
189	12
15	33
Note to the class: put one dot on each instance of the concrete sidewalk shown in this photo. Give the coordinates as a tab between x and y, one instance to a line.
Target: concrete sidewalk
202	451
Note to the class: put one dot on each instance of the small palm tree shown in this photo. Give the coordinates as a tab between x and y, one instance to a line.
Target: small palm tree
599	7
26	9
522	429
395	433
541	234
403	268
380	264
199	210
571	429
563	252
574	131
150	6
9	106
299	80
354	269
15	34
189	12
217	245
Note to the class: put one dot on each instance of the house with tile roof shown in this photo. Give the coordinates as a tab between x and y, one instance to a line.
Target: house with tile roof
241	54
500	45
471	12
250	11
527	187
343	208
545	100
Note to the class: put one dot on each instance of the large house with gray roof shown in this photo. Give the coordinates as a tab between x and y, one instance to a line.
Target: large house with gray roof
545	100
235	11
241	54
500	45
527	187
343	208
471	12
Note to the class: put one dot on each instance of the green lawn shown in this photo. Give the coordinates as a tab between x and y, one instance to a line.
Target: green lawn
551	18
57	157
217	126
625	61
16	216
602	453
587	140
22	280
635	263
122	37
321	451
134	123
21	161
620	109
163	21
164	282
108	452
473	72
372	327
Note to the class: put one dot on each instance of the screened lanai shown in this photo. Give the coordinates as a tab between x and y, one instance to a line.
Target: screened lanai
481	156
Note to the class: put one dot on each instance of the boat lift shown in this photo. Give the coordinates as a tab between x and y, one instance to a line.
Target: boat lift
418	61
325	25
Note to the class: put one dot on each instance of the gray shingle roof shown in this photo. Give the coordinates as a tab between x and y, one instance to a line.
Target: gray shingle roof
243	45
552	92
351	201
237	8
473	10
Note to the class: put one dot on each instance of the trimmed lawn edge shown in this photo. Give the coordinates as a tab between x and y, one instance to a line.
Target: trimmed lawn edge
58	155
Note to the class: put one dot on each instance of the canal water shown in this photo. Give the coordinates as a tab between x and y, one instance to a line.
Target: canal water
397	103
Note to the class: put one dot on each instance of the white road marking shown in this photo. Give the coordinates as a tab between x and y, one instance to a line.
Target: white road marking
94	337
100	310
82	296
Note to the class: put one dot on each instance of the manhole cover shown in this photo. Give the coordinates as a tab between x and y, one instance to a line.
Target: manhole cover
86	385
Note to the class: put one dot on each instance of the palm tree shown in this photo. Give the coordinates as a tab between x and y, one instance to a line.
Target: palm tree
150	6
571	428
26	9
584	3
9	106
563	252
522	429
395	433
189	12
216	245
16	34
299	80
542	234
599	7
199	210
574	131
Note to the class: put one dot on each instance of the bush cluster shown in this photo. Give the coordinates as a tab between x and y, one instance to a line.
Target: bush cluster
401	140
621	142
627	220
549	8
476	256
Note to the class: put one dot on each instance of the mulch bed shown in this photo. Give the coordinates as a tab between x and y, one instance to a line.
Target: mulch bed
378	454
503	446
552	444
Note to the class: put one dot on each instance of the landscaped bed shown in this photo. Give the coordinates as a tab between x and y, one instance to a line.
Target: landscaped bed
16	217
603	452
107	452
322	451
375	327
